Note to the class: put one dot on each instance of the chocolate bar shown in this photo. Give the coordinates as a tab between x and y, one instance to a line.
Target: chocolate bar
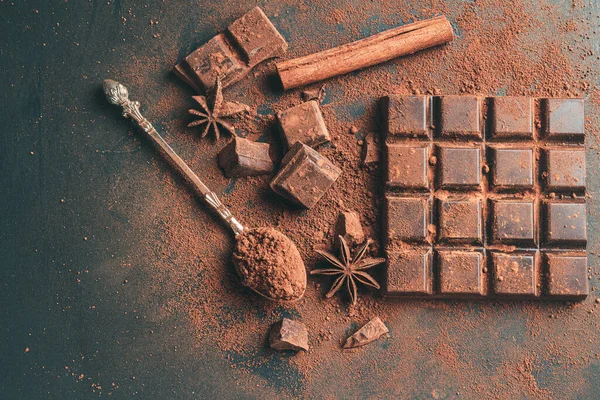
247	42
483	202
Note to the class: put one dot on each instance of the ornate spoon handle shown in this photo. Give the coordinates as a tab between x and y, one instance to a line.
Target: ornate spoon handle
117	94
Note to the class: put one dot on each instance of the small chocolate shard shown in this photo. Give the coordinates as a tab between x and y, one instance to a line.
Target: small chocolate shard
370	332
348	226
314	94
288	334
243	157
370	151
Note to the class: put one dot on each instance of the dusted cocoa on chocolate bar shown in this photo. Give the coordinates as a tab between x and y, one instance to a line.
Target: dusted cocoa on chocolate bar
481	202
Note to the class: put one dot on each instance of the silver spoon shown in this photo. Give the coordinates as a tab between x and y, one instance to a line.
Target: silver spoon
267	261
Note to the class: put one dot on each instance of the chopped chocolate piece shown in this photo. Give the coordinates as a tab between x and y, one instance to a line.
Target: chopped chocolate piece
565	117
460	116
288	334
566	223
565	168
459	167
370	332
369	153
512	168
407	166
567	275
405	116
513	221
512	117
461	272
243	157
314	94
214	59
409	272
305	176
256	36
303	123
407	218
460	220
515	274
348	226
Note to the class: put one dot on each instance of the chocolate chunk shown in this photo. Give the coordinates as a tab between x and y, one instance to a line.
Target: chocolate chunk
407	166
305	176
566	223
460	116
565	117
409	272
405	116
243	157
303	123
459	167
513	221
369	153
512	117
567	275
288	334
407	218
565	169
512	168
461	272
370	332
460	220
515	274
348	226
256	36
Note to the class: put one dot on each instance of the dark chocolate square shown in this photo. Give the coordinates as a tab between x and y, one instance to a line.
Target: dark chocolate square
515	274
409	272
305	176
460	220
257	37
460	272
565	169
303	123
406	116
459	167
565	117
407	166
243	157
512	168
460	116
512	117
567	275
566	223
407	218
513	221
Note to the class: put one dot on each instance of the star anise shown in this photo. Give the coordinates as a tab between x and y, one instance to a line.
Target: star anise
350	270
215	112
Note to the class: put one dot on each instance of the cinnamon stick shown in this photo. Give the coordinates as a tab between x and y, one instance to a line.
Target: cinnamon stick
372	50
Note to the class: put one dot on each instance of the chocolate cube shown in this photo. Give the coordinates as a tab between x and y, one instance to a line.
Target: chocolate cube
512	117
407	218
566	223
405	116
288	334
565	117
513	221
305	176
515	274
461	272
565	168
460	117
243	157
256	36
512	168
567	275
459	167
214	59
407	166
409	272
303	123
460	220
